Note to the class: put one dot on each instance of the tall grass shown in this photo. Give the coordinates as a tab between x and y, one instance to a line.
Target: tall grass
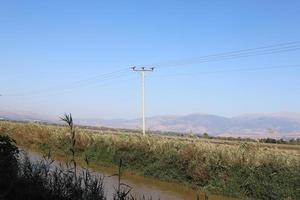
246	170
21	178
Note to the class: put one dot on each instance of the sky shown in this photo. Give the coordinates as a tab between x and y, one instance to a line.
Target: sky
75	57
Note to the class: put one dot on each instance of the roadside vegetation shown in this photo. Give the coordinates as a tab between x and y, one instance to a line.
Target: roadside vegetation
22	178
246	170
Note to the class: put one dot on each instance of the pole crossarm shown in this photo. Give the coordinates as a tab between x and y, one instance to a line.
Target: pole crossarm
142	70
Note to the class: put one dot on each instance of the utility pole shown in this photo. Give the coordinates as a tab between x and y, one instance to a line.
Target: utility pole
142	70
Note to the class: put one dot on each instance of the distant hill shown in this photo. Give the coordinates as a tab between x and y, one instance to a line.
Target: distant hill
23	116
274	125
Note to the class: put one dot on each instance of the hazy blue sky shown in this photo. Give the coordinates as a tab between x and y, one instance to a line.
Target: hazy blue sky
46	46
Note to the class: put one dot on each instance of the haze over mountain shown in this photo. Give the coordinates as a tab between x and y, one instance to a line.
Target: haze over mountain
274	125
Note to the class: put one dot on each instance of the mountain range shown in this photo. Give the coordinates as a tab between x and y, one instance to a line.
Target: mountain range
274	125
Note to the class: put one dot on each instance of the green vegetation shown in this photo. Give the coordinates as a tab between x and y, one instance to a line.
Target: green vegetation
8	163
247	170
21	178
281	141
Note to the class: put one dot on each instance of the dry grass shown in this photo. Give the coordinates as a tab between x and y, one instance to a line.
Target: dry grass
235	169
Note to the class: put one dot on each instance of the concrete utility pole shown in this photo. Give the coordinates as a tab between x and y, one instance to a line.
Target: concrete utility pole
142	70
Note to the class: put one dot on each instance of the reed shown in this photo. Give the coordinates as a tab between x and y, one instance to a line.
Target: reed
21	178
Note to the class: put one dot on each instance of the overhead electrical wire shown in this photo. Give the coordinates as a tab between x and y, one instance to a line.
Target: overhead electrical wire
72	89
263	50
76	84
97	77
229	70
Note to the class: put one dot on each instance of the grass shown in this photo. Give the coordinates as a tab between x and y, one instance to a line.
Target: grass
22	178
244	170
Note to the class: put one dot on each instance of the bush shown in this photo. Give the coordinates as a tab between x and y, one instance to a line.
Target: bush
8	164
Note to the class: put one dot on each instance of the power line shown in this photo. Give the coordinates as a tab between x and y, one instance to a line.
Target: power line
101	76
75	84
263	50
98	85
231	70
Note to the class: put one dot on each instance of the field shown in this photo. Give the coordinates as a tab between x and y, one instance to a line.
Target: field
238	169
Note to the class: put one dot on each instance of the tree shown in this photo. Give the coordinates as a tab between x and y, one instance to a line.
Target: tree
205	135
